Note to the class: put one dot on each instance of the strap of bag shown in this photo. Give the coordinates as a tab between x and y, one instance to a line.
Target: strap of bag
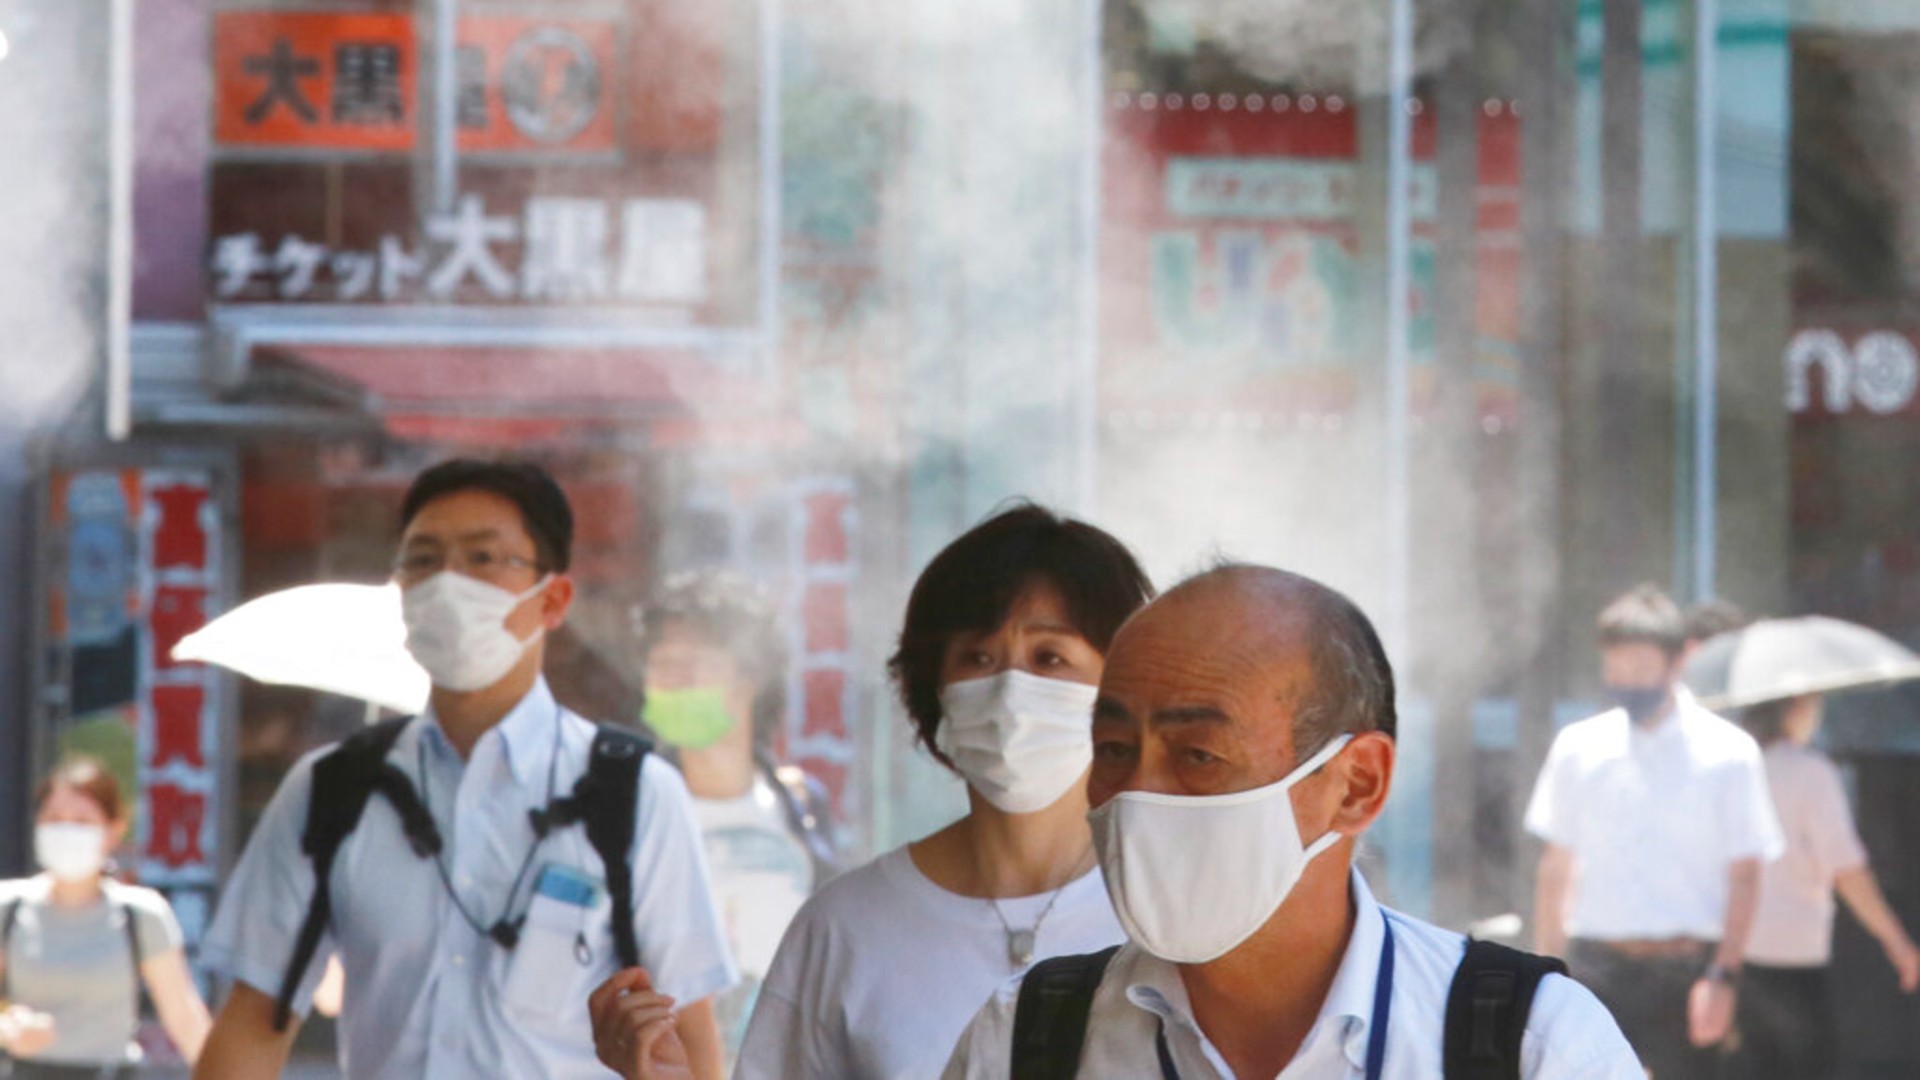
142	1003
343	781
1050	1015
604	799
607	795
6	939
805	807
1487	1009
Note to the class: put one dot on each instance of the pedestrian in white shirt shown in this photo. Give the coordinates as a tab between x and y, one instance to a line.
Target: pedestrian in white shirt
1657	821
1004	641
1785	1016
1243	743
471	914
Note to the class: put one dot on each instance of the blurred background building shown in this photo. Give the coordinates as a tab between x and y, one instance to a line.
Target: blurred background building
1483	323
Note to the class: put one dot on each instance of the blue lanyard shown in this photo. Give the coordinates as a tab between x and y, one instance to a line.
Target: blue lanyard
1376	1032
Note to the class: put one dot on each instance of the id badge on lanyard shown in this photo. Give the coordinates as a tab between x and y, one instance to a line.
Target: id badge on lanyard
1376	1031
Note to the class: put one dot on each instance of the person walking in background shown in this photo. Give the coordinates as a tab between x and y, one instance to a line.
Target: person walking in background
1005	637
1657	821
78	950
716	672
1708	619
1785	1017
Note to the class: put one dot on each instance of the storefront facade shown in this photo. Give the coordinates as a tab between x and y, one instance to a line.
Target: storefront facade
802	290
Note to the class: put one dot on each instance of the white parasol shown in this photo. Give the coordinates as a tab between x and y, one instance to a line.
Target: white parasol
344	639
1781	658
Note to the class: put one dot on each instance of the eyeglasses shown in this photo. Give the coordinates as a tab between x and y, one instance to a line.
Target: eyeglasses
479	562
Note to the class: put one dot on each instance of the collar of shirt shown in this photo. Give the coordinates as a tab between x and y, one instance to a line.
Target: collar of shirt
525	733
1155	985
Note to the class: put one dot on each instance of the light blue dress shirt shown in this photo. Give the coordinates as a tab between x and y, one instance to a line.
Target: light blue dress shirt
429	997
1569	1034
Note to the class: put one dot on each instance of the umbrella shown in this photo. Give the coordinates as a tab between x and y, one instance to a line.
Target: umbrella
344	639
1782	658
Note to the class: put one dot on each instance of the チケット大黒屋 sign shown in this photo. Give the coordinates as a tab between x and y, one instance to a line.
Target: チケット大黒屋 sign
556	249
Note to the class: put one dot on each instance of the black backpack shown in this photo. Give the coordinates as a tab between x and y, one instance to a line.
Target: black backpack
347	776
1487	1009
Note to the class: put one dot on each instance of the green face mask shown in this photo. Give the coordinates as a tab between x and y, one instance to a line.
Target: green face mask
689	719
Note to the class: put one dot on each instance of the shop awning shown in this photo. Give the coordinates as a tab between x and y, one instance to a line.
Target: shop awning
478	394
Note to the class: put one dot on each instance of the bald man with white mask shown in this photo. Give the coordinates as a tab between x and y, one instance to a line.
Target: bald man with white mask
1243	743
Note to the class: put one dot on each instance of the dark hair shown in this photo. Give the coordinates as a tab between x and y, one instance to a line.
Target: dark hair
1766	721
90	778
735	615
1644	616
1353	688
971	585
543	506
1713	616
1353	684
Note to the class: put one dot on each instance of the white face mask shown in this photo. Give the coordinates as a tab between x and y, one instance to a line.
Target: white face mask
70	851
1193	876
457	629
1019	739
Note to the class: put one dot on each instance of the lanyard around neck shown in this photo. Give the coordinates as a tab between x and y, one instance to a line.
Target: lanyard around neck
505	931
1376	1031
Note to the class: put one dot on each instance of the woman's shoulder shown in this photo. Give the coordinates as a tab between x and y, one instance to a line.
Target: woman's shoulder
126	892
144	902
16	890
852	896
1787	758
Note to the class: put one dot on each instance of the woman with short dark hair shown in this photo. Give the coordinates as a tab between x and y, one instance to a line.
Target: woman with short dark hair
79	949
1005	638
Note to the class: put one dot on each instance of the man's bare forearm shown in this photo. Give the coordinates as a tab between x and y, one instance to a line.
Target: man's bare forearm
1743	899
1551	885
243	1044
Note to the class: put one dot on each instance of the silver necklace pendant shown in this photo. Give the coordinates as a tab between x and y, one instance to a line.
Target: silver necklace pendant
1020	947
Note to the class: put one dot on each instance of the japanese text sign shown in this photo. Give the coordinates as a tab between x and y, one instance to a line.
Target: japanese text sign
558	249
350	81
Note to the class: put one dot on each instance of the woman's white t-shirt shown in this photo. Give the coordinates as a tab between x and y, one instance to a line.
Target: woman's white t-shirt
882	970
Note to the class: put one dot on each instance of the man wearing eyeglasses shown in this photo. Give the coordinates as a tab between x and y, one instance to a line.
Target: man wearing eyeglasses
475	960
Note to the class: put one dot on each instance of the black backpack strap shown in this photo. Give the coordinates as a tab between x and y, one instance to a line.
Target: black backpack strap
1487	1010
1050	1015
343	780
604	800
142	1004
809	816
6	939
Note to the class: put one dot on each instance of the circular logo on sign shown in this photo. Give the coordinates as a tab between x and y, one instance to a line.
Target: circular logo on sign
551	84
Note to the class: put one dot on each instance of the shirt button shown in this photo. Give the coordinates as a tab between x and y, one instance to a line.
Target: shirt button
459	961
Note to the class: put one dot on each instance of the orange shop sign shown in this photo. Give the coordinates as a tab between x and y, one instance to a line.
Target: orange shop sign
350	81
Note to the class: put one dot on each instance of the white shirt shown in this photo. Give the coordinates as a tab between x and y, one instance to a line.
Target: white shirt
427	996
1569	1034
882	969
1654	818
761	872
1793	926
761	875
